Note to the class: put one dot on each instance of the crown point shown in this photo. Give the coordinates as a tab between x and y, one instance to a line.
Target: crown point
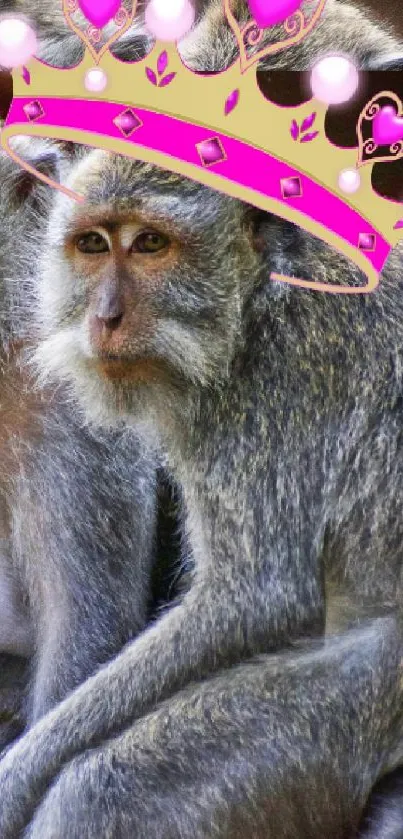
99	12
96	80
18	42
349	181
169	20
334	79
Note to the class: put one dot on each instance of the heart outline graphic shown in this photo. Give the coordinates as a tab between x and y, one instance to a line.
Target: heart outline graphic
367	148
296	27
124	23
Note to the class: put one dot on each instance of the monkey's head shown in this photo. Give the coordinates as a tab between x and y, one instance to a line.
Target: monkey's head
143	286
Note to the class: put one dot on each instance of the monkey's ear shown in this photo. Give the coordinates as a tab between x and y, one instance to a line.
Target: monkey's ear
386	63
46	159
257	223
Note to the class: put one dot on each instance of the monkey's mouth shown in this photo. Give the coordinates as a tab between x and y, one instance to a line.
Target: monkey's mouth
141	369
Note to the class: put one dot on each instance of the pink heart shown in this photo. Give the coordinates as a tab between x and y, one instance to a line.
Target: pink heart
271	12
99	12
387	126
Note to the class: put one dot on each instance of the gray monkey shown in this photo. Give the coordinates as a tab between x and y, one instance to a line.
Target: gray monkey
367	659
280	415
77	508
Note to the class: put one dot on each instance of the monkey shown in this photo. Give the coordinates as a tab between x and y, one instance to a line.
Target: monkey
369	52
279	414
77	508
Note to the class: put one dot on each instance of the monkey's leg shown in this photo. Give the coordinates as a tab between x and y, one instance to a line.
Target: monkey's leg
190	640
287	747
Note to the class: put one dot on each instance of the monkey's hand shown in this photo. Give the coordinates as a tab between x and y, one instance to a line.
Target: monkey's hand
279	747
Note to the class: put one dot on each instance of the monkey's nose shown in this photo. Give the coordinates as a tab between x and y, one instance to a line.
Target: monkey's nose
110	308
110	322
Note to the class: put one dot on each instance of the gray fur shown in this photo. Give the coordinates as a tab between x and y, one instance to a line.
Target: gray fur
285	435
286	438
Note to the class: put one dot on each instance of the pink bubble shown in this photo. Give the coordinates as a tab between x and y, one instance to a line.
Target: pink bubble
169	20
96	80
349	181
18	43
334	79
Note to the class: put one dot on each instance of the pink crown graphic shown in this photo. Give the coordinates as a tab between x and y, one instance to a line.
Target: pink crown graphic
219	129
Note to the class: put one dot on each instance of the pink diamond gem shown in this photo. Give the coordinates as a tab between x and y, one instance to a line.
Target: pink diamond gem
211	151
367	241
291	187
398	225
127	122
33	110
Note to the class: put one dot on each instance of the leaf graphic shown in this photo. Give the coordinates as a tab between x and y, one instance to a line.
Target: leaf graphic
167	80
308	122
294	130
308	137
26	75
151	75
162	63
231	102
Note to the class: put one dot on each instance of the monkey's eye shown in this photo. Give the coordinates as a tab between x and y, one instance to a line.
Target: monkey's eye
92	243
150	242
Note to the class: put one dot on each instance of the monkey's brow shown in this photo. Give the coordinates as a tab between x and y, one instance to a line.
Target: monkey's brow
111	218
110	221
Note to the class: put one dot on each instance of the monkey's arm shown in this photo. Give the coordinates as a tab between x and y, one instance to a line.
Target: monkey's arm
216	623
285	746
85	524
152	667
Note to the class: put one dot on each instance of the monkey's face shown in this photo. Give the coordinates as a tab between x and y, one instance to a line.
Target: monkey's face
143	284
